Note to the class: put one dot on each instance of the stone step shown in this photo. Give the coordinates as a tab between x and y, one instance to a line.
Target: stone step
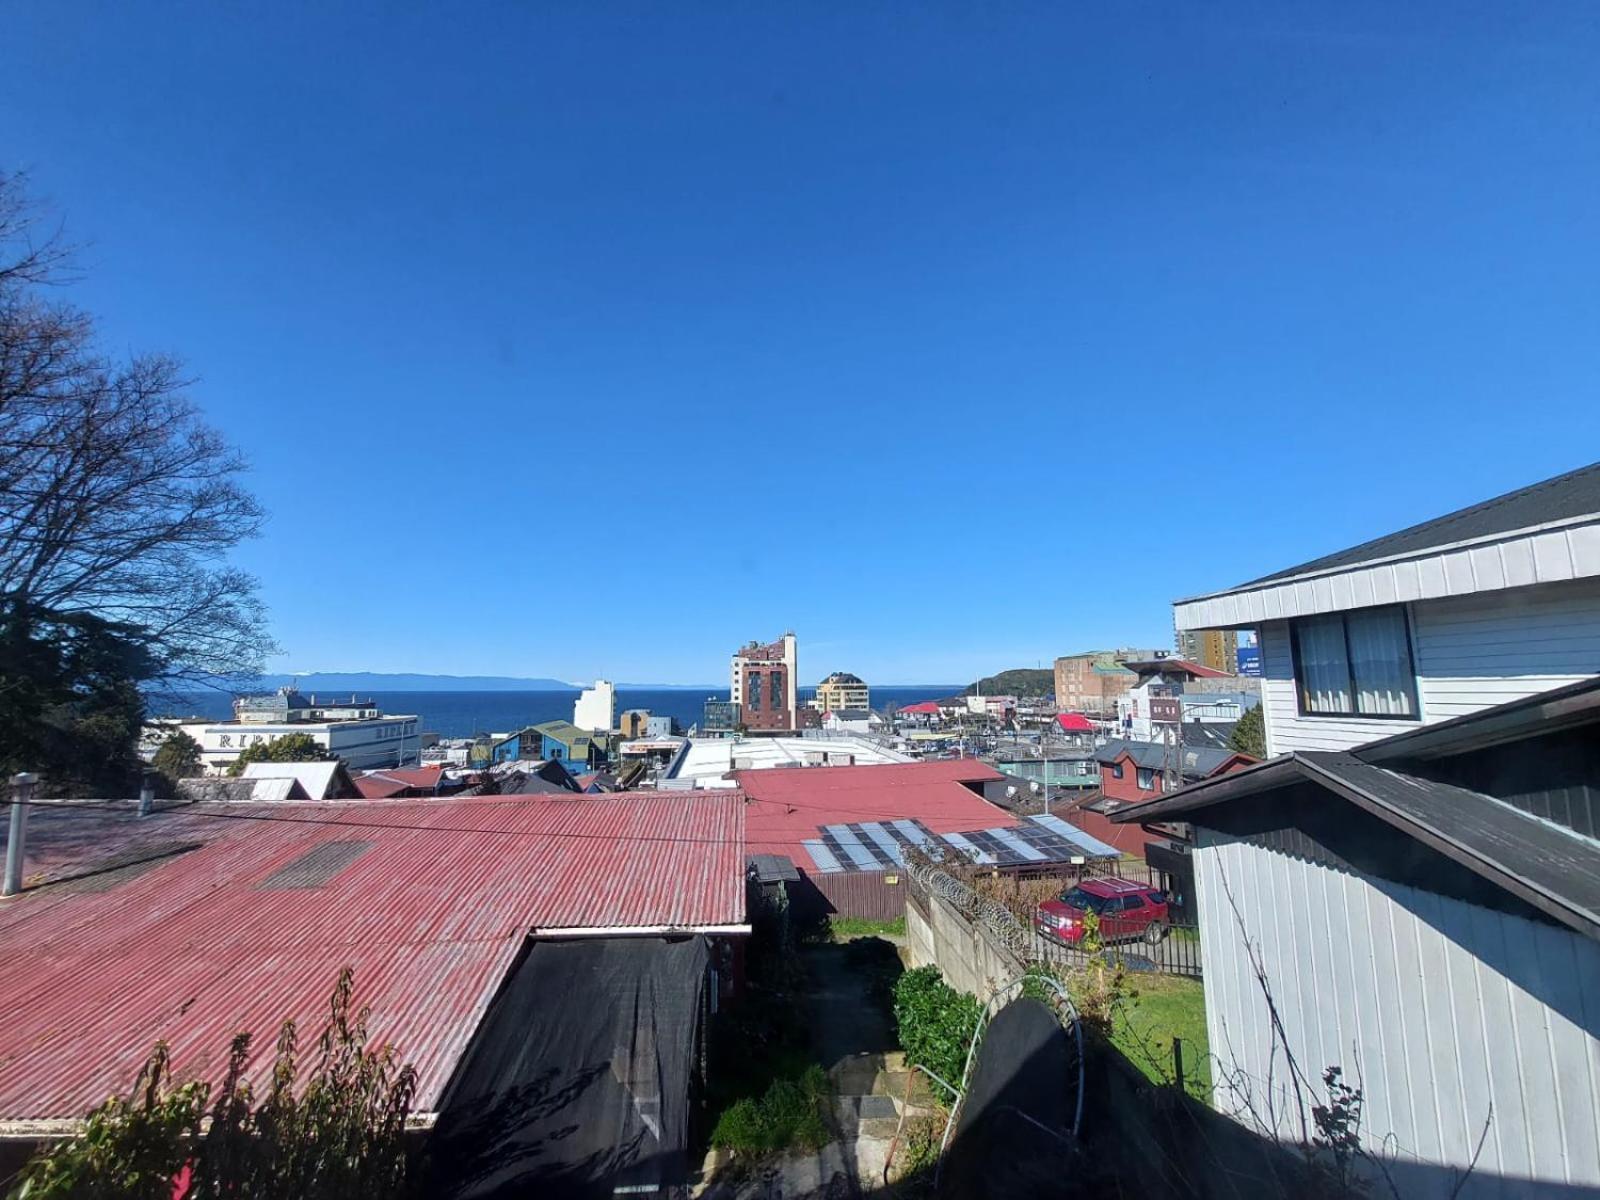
851	1110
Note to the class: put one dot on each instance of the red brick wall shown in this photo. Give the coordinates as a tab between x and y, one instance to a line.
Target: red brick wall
766	717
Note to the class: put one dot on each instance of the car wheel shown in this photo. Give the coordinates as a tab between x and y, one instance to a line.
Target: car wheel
1155	932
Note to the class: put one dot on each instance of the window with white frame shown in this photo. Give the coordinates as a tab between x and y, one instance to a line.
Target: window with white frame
1355	664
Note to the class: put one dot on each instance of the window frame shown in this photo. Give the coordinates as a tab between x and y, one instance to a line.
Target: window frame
1145	778
1116	770
1352	714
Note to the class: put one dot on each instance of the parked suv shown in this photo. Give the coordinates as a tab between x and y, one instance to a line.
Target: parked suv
1125	909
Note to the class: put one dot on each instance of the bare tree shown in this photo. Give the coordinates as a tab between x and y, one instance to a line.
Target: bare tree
116	498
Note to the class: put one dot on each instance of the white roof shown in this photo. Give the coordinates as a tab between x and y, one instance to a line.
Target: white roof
315	777
709	759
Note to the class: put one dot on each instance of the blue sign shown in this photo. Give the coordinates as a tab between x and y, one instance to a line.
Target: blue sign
1250	661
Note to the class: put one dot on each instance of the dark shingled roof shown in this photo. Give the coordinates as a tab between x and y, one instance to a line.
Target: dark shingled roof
1198	761
1575	494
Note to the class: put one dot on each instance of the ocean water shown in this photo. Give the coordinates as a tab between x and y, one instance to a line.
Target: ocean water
463	714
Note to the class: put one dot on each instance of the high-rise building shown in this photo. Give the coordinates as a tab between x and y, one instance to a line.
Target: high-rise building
1214	648
596	708
763	685
842	692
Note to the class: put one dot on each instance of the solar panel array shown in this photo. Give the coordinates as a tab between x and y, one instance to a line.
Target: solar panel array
880	845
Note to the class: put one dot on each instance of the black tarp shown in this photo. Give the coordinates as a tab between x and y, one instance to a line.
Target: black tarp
577	1083
1025	1065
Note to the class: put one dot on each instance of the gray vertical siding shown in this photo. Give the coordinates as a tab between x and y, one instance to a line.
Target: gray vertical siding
1441	1008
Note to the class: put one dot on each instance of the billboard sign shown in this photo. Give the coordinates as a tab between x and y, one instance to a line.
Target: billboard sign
1166	710
1250	661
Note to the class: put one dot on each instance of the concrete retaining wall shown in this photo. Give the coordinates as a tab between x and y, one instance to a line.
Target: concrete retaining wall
971	961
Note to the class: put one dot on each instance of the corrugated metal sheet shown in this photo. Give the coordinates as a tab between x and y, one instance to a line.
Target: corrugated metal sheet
192	950
1442	1009
865	894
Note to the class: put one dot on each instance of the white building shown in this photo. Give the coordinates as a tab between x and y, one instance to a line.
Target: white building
386	741
596	708
1417	871
1424	912
1485	605
707	760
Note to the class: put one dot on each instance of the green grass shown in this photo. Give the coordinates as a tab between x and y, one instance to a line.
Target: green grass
1166	1007
845	928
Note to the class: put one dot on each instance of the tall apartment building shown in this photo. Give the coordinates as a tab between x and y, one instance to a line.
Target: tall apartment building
762	685
596	708
841	692
1214	648
1092	682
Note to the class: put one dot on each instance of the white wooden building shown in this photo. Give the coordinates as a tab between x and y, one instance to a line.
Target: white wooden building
1482	606
1416	873
1438	942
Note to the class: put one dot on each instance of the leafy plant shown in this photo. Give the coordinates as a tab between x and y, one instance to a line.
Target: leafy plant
179	757
788	1116
290	748
936	1023
1249	734
1338	1134
339	1136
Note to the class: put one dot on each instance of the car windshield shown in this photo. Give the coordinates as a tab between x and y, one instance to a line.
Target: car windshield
1078	898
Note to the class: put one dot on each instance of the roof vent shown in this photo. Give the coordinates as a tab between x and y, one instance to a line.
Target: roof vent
315	867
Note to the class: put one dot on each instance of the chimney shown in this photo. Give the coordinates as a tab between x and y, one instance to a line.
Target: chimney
147	794
16	842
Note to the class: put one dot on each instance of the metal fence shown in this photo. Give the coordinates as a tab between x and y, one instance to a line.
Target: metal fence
1175	952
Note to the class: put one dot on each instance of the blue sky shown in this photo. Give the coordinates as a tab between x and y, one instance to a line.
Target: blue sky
582	340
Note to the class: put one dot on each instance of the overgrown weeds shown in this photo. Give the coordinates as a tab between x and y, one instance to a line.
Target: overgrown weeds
335	1135
788	1116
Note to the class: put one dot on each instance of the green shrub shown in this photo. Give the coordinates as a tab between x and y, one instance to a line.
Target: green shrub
788	1116
936	1023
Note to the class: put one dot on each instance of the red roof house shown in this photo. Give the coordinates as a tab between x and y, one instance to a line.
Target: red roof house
788	806
203	920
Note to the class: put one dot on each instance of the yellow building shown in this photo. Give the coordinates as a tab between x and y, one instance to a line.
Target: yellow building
1214	648
841	692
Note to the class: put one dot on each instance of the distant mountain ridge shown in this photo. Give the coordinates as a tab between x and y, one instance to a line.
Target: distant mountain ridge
378	681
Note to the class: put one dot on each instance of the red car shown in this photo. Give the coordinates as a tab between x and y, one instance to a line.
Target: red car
1126	910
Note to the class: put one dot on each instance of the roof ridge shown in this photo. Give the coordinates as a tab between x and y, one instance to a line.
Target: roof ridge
1443	520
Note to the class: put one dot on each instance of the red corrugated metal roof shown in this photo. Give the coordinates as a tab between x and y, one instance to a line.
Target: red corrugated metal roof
926	708
191	948
1074	723
788	805
1154	665
377	787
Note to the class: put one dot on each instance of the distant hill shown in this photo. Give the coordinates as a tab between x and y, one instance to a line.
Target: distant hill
1022	682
